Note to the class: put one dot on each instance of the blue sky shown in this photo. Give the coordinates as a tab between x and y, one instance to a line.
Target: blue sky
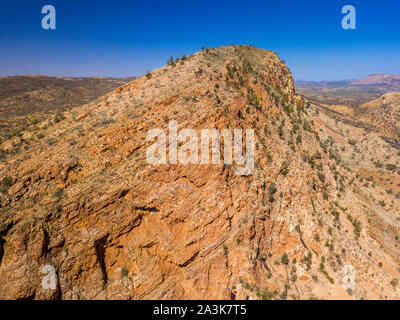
128	37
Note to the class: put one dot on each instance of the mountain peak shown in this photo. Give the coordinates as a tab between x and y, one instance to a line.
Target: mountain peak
380	78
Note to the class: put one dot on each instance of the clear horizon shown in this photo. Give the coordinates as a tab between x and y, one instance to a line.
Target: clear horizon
128	38
67	76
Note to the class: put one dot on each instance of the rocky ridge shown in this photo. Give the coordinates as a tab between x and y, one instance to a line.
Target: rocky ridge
83	199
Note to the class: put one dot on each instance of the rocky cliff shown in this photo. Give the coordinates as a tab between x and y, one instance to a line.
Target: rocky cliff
82	198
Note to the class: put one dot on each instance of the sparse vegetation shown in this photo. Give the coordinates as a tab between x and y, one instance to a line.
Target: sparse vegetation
285	259
6	183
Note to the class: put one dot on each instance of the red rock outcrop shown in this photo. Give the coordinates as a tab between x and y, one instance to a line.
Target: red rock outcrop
84	200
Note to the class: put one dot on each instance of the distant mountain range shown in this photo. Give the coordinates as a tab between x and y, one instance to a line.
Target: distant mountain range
373	79
392	80
349	92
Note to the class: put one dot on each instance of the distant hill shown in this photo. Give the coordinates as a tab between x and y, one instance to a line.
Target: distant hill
391	80
349	92
25	97
384	114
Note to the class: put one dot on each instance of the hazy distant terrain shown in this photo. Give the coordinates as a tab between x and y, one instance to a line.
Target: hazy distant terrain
24	98
349	92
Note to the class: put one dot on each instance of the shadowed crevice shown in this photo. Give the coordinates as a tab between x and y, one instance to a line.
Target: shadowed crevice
100	256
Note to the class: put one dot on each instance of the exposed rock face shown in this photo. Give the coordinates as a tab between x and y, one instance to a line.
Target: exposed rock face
115	227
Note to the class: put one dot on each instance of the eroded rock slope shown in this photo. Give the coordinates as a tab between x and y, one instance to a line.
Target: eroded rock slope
82	198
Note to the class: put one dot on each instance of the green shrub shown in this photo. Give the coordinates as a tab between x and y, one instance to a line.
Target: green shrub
391	167
280	131
170	61
124	272
285	259
58	193
6	183
58	117
352	142
326	274
272	188
199	71
321	177
288	109
266	295
307	260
